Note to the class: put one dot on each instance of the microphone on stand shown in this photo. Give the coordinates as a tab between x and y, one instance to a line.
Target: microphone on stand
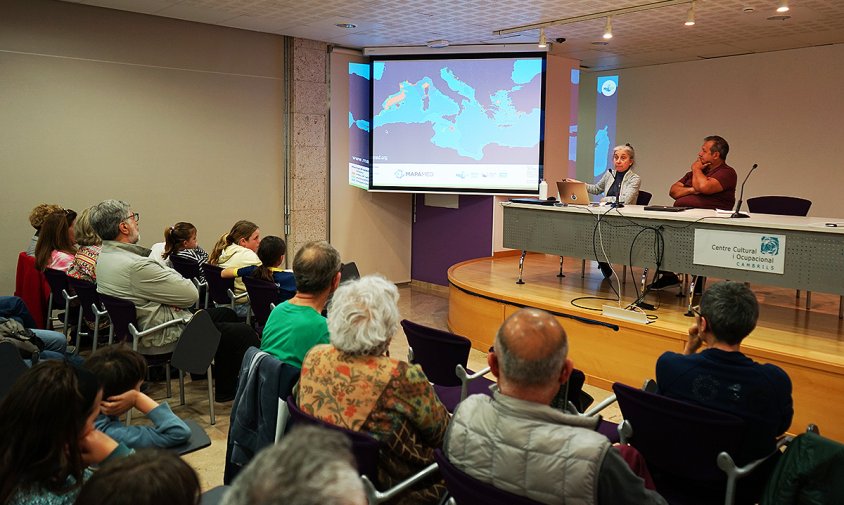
741	195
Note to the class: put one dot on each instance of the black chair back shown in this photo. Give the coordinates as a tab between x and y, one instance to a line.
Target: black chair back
217	286
349	272
197	345
11	367
779	205
87	292
122	313
364	446
467	490
644	198
680	441
261	294
438	352
187	268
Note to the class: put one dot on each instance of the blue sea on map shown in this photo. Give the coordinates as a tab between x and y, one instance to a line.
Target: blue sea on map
458	111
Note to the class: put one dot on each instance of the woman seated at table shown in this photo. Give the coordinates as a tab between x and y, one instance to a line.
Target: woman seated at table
618	183
352	383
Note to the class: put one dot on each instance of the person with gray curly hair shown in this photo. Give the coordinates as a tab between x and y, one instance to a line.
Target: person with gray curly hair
311	466
516	442
353	383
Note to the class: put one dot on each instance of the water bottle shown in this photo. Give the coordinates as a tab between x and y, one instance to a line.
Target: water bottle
543	190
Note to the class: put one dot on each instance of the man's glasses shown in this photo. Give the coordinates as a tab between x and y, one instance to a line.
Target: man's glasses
134	215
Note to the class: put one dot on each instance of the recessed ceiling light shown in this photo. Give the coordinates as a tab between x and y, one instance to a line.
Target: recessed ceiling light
783	6
748	9
437	44
346	25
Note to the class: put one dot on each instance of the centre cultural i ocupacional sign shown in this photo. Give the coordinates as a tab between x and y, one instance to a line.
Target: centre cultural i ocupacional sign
760	252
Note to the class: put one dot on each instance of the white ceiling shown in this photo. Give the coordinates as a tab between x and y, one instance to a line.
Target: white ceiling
651	37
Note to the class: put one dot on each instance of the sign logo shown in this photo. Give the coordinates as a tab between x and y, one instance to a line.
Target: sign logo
770	245
608	87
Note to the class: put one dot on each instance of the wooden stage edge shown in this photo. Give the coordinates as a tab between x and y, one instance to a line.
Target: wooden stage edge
807	344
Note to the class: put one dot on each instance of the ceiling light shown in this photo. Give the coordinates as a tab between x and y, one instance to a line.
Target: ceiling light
346	25
783	6
437	44
543	42
608	28
690	18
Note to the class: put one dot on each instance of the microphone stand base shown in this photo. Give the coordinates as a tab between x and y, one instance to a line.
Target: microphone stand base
738	215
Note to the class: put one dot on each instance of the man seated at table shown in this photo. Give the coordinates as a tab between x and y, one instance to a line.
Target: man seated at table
721	377
516	442
710	184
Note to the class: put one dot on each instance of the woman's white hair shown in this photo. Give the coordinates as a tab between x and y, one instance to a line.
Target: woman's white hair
364	315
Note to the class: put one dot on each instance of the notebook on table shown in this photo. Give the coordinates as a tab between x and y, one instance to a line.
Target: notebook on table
666	208
573	193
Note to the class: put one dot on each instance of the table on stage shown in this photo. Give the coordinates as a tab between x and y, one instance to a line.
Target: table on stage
813	251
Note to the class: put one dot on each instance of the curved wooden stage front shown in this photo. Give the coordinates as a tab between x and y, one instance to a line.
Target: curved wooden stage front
808	345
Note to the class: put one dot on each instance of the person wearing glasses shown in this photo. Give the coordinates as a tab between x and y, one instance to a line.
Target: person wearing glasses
714	373
160	294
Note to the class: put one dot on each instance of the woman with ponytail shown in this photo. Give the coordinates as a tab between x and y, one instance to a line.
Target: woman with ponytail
236	249
271	251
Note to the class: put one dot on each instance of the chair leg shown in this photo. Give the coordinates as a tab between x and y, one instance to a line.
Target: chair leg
624	275
49	324
167	378
96	330
78	331
582	269
211	395
808	300
181	387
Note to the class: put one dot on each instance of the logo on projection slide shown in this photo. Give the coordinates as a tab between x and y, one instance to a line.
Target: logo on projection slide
609	87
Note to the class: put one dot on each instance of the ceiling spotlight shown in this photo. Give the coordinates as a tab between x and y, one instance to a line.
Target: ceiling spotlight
690	17
543	42
783	6
608	28
437	44
346	25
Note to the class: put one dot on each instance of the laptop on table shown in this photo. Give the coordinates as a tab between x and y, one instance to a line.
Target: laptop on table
573	193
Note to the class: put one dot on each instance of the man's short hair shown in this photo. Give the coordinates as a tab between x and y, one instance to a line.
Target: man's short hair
106	218
314	267
117	367
311	466
719	145
730	310
525	371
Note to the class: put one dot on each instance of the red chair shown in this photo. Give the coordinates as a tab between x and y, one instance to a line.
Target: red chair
31	286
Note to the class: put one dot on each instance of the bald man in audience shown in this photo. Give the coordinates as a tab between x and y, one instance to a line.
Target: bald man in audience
517	443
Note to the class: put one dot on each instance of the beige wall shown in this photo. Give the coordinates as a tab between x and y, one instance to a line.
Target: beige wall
781	110
371	229
181	119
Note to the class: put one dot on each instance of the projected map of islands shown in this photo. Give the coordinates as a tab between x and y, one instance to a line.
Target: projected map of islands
469	110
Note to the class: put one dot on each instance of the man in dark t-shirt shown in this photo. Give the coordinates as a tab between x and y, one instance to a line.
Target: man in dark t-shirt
710	184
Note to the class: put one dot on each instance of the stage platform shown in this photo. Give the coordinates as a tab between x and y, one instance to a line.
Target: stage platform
807	344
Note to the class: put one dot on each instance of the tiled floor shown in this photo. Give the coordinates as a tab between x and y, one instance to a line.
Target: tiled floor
417	304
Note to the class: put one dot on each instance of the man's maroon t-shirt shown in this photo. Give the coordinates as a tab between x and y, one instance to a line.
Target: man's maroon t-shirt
725	199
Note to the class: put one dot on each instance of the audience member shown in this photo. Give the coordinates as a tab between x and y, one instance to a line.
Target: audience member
236	249
84	264
721	377
56	245
121	372
311	466
271	251
55	343
36	219
160	294
148	477
49	440
371	392
516	442
180	240
297	324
